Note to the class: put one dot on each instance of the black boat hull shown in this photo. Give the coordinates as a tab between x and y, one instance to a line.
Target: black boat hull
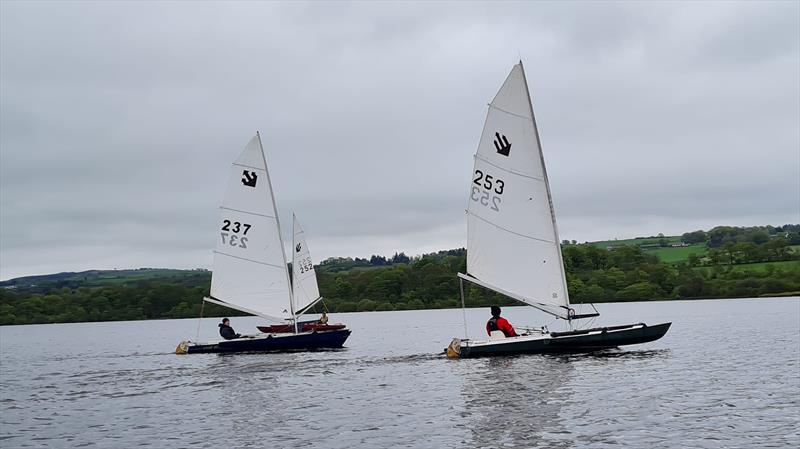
273	343
563	342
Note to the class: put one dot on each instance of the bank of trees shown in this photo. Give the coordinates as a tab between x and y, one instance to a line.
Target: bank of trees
731	253
147	300
723	235
594	274
740	245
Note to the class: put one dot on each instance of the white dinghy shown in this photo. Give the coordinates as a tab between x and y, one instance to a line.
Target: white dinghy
512	241
250	273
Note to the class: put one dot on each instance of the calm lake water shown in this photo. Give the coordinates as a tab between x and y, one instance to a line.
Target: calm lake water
726	375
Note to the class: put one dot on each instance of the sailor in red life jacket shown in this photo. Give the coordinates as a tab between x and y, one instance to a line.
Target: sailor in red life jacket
498	323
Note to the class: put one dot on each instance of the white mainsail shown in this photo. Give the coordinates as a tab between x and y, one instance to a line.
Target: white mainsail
512	240
250	272
304	278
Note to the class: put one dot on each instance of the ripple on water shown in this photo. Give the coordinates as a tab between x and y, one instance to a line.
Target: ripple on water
709	383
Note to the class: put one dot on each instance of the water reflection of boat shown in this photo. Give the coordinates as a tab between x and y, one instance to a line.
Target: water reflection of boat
511	402
250	272
513	246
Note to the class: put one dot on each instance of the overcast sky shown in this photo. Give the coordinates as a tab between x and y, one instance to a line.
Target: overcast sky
118	120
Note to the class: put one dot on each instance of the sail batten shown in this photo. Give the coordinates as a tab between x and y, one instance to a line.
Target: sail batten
538	178
246	212
512	241
251	167
248	260
491	106
510	231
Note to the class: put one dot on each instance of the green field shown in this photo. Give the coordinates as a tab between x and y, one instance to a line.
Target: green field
667	254
678	254
122	277
642	241
103	278
786	265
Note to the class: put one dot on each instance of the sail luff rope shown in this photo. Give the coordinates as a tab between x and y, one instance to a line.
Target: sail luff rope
200	320
546	184
463	306
278	225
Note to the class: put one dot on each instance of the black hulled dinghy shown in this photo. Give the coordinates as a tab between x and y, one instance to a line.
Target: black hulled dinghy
512	241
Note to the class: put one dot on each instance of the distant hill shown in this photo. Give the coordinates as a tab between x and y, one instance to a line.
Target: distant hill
103	278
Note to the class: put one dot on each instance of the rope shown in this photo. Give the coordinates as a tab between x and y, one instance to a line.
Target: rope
199	320
591	321
324	306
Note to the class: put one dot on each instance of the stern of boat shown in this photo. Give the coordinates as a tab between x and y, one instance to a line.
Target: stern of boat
454	349
182	348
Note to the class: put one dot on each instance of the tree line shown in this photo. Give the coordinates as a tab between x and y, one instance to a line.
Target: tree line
626	273
758	235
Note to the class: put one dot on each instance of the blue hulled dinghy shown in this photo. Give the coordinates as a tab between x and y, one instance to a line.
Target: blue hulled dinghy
250	272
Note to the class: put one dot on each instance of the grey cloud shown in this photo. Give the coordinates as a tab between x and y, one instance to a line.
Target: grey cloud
118	120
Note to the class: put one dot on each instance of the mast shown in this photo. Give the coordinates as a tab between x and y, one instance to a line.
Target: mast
280	236
294	275
463	305
547	186
294	266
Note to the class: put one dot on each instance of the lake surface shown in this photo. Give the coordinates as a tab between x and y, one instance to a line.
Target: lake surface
726	375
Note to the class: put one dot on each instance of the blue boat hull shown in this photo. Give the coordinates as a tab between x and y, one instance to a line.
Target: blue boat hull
276	343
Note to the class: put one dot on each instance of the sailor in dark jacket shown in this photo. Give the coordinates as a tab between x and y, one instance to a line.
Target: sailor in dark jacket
226	331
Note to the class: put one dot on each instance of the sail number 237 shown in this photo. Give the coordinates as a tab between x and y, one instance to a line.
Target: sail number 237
232	237
486	190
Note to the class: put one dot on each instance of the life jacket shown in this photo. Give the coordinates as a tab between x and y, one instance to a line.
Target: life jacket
492	324
227	332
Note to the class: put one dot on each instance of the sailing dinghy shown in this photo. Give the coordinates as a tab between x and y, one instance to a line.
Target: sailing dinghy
512	240
304	287
250	273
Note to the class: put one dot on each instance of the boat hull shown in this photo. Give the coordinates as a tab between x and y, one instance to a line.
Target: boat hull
561	342
306	341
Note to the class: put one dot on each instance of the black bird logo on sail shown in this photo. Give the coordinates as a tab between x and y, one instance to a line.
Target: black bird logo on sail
297	248
502	144
249	178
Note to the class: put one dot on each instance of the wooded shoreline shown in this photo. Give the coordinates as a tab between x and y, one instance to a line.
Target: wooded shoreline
596	272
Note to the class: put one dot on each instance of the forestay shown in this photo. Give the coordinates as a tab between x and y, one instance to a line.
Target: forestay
512	241
304	278
250	272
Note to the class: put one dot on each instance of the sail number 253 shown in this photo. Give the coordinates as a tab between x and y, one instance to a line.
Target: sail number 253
486	190
232	237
